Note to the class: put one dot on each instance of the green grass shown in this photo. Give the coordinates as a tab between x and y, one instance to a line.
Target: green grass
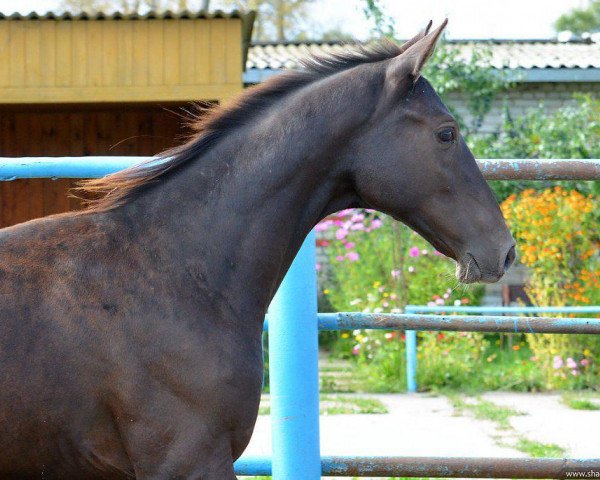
581	401
540	450
345	405
341	405
483	409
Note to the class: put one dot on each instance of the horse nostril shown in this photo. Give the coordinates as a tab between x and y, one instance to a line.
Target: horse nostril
510	258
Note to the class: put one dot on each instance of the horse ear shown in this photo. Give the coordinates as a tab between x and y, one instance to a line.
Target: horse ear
410	61
409	43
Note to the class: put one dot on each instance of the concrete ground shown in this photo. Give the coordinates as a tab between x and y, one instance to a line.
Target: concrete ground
424	425
548	420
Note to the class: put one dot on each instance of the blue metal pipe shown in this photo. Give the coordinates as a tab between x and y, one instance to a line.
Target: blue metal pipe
64	167
253	466
411	357
492	169
500	310
448	467
294	370
456	323
411	360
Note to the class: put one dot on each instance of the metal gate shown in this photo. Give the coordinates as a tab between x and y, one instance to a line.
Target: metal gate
293	323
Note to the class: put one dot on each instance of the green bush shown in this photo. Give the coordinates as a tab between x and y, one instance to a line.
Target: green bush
569	132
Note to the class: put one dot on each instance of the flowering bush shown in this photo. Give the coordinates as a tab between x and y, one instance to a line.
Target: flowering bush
558	237
377	265
449	359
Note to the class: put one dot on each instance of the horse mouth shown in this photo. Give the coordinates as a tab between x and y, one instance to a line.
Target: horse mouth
467	270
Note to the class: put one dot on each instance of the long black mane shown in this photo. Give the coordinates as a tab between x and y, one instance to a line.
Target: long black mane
115	189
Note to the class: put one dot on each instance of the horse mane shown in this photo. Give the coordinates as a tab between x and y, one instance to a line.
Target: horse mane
113	190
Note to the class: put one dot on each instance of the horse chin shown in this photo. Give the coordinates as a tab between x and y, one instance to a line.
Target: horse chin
467	270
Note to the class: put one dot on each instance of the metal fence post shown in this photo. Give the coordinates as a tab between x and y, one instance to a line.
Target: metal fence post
294	371
411	360
411	356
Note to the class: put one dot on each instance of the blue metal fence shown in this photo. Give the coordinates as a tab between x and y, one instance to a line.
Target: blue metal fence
293	324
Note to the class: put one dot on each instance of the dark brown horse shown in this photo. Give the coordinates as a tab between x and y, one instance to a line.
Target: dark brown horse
130	334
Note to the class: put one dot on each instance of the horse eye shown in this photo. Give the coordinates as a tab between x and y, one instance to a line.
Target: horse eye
446	135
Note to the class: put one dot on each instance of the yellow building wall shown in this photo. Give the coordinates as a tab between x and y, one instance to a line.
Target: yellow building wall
58	61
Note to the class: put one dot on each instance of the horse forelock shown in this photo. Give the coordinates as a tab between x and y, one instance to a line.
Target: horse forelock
116	189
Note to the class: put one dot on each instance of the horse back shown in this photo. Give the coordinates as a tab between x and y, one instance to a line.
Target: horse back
53	346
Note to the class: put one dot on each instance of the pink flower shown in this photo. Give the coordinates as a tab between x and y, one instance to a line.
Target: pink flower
346	212
322	226
414	252
574	372
358	217
356	349
439	301
318	267
376	224
350	245
341	233
585	362
339	258
558	362
411	269
352	256
358	226
571	363
395	273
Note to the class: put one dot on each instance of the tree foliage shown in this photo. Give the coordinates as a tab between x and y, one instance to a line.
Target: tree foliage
580	20
570	132
278	20
383	24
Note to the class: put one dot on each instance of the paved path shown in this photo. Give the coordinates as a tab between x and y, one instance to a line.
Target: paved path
548	420
424	425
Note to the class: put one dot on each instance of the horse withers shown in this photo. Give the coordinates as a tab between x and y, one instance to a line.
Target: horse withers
130	333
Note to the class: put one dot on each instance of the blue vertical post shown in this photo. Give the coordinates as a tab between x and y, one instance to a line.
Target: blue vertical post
411	360
411	356
294	371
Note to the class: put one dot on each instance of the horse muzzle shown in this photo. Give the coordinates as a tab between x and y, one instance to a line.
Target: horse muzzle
472	269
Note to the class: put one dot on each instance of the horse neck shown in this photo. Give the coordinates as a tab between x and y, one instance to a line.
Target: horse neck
239	214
